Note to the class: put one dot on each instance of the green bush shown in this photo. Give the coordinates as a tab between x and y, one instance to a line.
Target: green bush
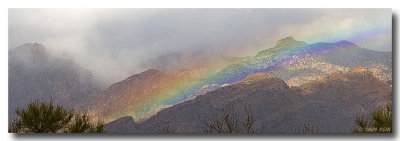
47	117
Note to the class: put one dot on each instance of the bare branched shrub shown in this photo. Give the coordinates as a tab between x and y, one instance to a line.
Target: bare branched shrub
249	121
166	129
229	123
306	128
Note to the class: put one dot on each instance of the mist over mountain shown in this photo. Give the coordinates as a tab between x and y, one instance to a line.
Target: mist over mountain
200	59
34	74
114	43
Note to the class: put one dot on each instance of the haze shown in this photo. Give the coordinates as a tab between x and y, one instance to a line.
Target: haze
114	43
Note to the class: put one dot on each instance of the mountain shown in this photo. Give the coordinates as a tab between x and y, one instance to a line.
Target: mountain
299	78
34	74
330	104
295	62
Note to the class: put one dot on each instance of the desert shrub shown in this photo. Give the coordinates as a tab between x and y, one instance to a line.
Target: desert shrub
379	121
47	117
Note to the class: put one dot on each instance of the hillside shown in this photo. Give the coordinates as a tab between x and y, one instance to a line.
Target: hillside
295	62
330	104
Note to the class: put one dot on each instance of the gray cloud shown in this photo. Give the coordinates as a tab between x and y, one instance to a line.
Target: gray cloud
112	43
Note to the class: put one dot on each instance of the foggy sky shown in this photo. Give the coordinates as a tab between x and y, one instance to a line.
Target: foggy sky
112	43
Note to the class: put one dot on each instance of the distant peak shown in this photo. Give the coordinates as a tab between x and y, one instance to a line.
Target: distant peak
35	49
147	73
32	47
285	40
256	77
289	41
153	71
346	43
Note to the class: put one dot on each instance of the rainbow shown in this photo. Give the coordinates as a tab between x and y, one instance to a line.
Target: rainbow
282	55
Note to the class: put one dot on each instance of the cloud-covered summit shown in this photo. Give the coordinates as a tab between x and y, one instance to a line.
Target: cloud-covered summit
114	43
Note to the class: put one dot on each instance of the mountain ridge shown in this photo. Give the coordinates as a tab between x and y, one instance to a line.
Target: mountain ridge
183	116
295	62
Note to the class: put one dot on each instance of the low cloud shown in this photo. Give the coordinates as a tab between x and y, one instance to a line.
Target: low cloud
113	43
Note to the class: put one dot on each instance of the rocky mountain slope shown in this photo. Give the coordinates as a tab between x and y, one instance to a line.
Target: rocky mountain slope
330	104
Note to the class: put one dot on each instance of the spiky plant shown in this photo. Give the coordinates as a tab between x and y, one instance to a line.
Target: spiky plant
380	121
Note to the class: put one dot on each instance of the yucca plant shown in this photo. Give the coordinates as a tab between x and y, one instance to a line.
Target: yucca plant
380	121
